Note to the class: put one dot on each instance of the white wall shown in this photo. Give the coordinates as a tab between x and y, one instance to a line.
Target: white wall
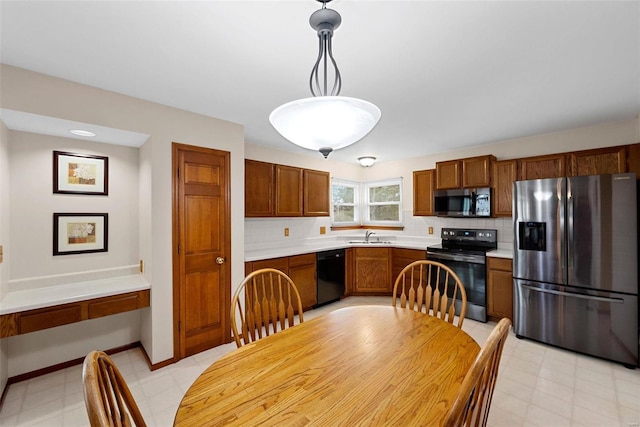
26	91
31	169
4	240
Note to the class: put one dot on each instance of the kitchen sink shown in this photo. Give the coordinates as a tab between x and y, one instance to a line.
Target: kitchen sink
371	242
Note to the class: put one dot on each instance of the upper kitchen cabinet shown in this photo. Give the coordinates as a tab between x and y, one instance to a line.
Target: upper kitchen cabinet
464	173
286	191
504	173
476	171
448	174
599	161
550	166
259	184
423	184
317	186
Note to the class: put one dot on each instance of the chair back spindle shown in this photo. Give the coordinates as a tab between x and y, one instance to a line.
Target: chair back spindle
271	303
431	287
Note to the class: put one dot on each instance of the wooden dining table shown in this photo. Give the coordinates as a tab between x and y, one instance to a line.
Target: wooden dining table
360	365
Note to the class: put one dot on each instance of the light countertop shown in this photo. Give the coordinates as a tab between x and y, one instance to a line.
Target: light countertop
266	251
501	253
62	294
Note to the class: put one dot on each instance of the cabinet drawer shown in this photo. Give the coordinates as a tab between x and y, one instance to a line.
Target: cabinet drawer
305	259
114	305
48	318
504	264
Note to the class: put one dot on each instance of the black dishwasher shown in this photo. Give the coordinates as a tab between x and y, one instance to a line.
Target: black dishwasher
330	266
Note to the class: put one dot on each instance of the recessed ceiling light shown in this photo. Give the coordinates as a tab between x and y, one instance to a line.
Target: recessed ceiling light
81	132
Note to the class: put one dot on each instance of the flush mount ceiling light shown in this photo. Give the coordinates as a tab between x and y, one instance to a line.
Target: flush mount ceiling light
326	121
366	161
81	132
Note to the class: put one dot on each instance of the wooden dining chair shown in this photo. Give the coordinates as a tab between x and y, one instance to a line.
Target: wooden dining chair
271	303
431	287
107	397
472	403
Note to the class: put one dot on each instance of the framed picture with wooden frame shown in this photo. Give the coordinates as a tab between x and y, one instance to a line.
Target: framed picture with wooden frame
75	173
79	233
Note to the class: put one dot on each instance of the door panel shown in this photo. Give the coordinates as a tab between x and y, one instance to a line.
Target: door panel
602	324
201	230
539	220
602	210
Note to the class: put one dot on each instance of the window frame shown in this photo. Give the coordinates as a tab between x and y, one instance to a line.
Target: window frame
357	204
366	203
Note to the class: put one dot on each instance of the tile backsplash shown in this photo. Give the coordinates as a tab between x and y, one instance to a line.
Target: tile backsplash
260	231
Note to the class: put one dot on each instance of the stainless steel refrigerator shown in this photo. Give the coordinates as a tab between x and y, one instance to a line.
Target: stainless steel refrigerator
575	264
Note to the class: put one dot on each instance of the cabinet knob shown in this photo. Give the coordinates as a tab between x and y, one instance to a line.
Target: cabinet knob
220	260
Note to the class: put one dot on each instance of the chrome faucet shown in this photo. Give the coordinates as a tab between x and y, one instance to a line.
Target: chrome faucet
368	234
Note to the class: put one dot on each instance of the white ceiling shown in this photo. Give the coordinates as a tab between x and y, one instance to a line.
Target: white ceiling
446	74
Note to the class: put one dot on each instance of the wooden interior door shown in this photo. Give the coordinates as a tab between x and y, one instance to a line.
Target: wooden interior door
202	247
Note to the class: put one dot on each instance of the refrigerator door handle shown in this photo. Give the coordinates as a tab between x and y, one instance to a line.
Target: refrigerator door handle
572	295
569	251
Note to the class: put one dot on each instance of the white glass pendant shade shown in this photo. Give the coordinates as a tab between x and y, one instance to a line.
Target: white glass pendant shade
325	122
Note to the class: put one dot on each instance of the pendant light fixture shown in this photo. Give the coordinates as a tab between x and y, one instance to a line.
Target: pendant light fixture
326	121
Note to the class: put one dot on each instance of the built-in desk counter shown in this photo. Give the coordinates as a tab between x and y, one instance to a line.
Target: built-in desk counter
35	309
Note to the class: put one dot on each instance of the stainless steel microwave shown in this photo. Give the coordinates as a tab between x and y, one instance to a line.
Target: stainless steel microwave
463	203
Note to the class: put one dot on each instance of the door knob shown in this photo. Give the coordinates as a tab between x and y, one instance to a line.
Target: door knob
220	260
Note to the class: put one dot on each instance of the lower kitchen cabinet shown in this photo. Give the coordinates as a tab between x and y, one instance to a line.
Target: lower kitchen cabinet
300	268
499	288
403	257
372	271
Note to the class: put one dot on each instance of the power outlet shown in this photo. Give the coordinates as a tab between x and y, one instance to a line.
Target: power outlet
323	230
141	266
430	230
286	232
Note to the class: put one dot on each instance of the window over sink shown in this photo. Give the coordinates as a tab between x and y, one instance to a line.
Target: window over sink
368	203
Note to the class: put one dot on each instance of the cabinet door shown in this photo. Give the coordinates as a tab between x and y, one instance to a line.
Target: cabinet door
633	159
373	271
400	258
423	183
552	166
288	191
302	270
499	288
600	161
259	184
448	175
317	188
504	173
476	171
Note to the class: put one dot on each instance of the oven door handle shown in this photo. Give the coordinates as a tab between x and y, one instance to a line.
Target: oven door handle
474	259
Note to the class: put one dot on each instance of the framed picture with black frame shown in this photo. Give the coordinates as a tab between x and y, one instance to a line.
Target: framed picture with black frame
75	173
80	233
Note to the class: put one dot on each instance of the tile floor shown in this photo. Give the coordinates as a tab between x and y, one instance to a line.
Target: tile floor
537	386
